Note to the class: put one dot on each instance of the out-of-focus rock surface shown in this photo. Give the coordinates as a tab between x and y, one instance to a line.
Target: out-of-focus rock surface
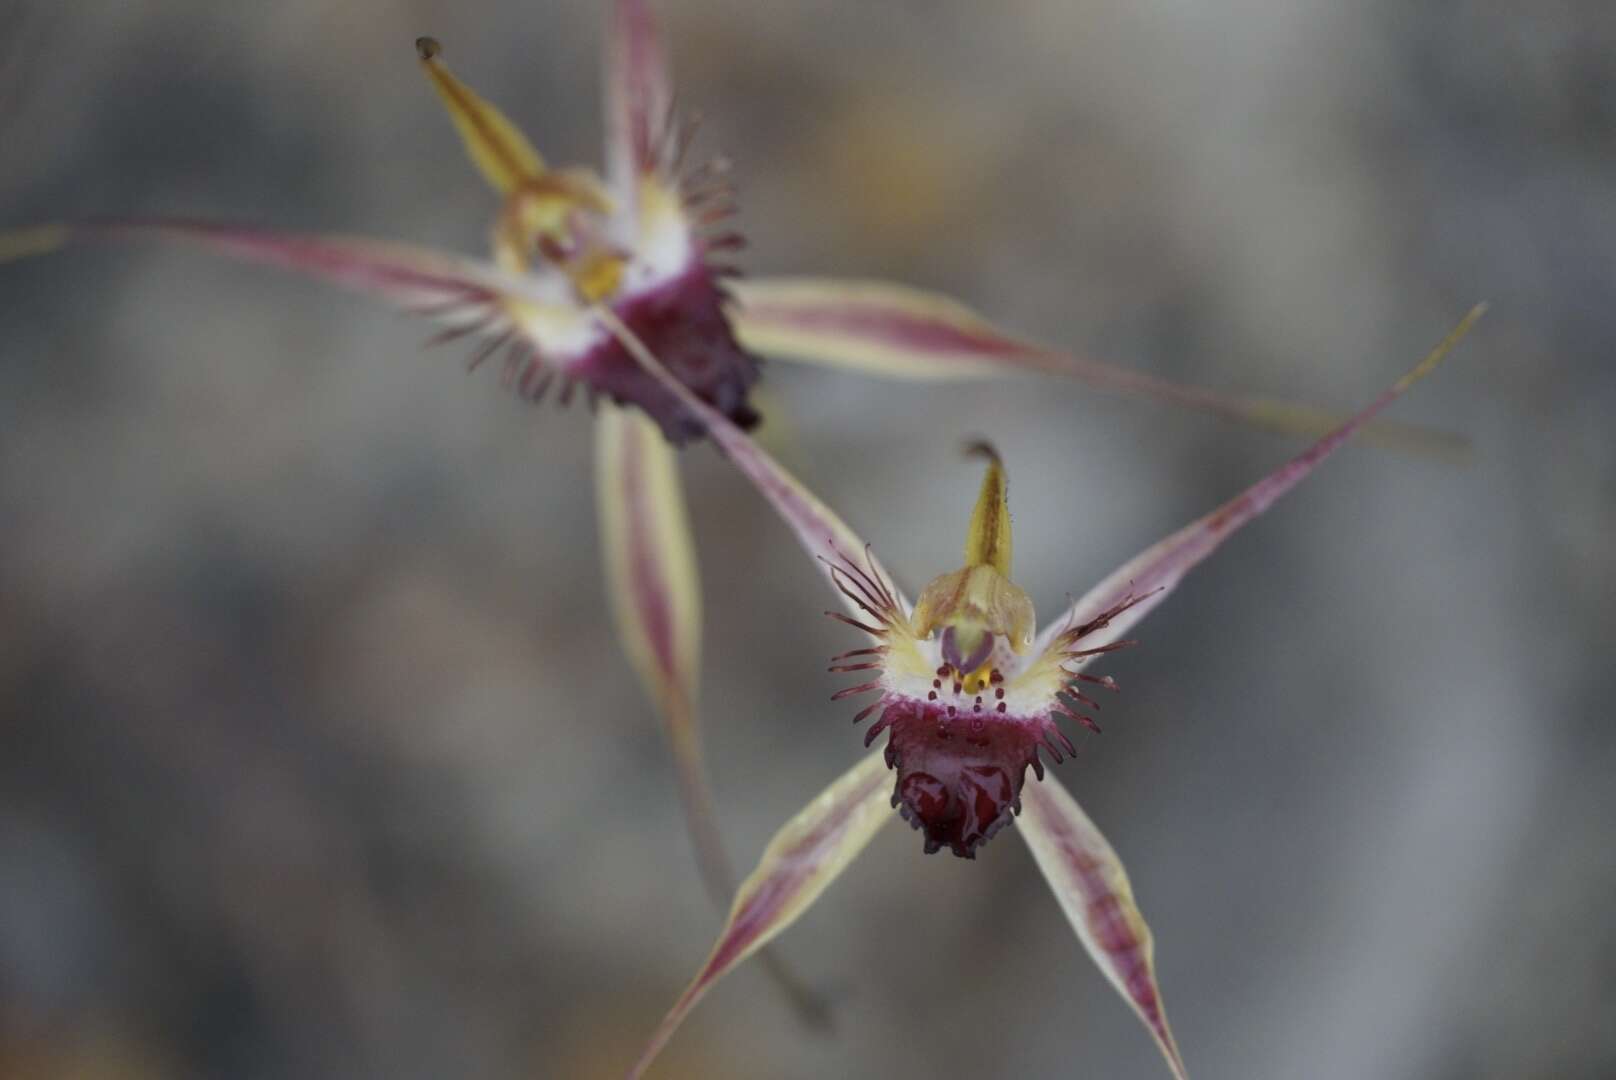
317	756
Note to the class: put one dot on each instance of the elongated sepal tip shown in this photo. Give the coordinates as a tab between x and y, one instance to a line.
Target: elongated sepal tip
427	48
1445	346
980	449
38	240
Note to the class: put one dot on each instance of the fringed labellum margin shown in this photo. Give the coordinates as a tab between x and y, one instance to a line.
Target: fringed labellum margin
966	705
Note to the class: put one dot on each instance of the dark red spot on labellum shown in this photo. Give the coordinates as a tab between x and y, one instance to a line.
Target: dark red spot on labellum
957	788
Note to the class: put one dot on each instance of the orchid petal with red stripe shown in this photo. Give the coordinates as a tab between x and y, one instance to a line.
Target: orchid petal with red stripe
412	277
655	591
474	300
900	332
651	578
798	865
1156	571
1089	882
639	94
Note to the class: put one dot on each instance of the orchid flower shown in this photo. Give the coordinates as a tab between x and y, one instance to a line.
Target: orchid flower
640	244
969	693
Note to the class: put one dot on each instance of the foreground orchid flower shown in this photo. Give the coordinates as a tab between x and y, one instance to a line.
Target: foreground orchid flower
568	247
969	694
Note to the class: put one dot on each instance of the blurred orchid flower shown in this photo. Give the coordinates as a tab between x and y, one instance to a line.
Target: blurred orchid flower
640	244
969	693
565	240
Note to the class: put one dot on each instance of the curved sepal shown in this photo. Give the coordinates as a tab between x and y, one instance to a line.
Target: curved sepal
805	856
822	534
467	293
1152	574
1089	882
896	331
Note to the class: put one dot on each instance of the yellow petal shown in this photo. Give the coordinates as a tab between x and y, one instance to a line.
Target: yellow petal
899	332
804	857
1093	890
495	145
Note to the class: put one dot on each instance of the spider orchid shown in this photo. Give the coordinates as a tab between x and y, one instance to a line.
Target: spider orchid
969	694
645	245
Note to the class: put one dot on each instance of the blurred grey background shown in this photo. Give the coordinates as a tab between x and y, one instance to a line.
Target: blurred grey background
317	754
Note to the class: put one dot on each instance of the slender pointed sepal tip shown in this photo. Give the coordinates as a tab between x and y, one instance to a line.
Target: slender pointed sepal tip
899	332
466	292
1093	891
808	853
1156	571
26	243
1445	346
